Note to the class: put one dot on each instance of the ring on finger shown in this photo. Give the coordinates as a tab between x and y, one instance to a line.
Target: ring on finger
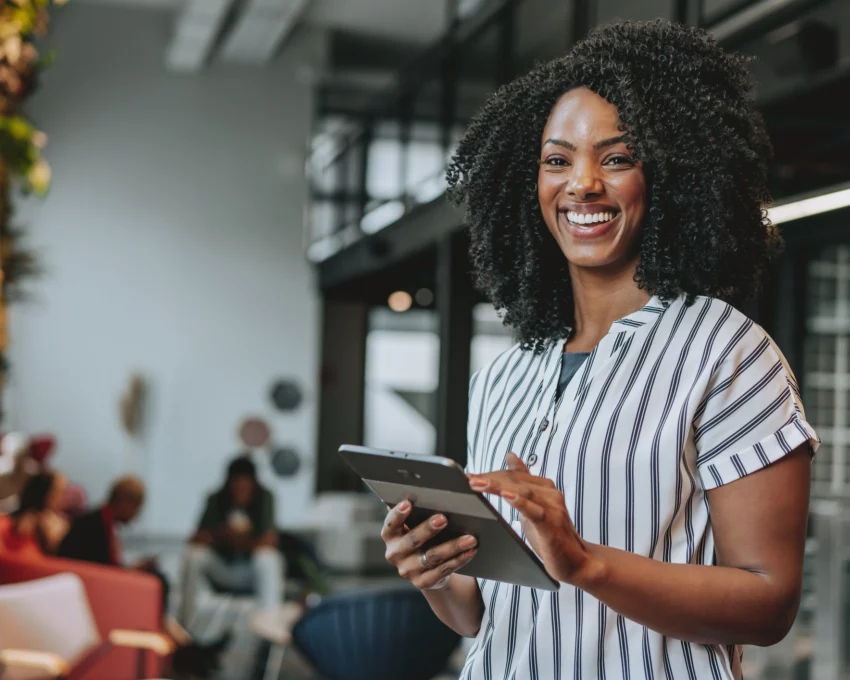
423	560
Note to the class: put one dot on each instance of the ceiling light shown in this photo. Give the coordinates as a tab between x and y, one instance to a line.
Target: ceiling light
809	206
400	301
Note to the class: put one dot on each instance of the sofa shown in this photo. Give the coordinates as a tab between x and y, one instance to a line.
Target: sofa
119	599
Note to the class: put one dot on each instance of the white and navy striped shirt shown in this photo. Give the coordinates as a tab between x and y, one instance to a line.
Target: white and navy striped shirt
675	400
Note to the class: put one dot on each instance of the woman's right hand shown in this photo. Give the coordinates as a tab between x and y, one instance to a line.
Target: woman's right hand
404	549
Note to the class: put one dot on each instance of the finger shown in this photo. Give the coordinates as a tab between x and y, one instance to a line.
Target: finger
514	463
449	550
430	578
395	519
488	481
526	507
422	533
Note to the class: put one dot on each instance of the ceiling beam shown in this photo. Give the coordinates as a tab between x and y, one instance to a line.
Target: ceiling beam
261	29
196	33
759	18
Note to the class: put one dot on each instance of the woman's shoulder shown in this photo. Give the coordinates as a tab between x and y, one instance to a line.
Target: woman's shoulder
484	378
724	329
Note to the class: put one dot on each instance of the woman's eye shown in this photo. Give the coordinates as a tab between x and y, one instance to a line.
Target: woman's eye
619	160
556	162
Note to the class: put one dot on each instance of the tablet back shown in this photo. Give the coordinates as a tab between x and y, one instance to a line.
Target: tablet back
438	485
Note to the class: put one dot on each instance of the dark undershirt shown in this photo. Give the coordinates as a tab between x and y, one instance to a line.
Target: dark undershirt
570	363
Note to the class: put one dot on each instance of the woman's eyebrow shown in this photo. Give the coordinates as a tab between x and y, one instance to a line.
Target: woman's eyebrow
611	141
560	142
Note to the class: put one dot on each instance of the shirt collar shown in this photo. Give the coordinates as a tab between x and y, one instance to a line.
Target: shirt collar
649	313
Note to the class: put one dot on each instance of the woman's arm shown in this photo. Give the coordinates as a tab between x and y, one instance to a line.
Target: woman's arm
458	605
750	597
455	599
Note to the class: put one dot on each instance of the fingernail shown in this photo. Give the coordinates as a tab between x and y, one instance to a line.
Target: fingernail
478	484
439	521
468	541
404	506
508	495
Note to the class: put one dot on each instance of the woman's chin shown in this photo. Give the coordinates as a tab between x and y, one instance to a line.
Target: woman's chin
589	257
600	260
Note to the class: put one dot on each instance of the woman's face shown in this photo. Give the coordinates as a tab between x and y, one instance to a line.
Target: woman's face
242	490
592	191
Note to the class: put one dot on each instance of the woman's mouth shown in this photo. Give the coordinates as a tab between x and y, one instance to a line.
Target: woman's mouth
588	225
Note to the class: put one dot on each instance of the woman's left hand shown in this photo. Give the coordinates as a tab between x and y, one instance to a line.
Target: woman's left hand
544	517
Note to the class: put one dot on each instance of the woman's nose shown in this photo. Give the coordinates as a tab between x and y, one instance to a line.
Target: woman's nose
584	182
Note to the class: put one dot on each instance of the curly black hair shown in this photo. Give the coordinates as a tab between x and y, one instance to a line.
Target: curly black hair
686	111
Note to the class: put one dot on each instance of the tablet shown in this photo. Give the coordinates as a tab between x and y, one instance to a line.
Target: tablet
439	485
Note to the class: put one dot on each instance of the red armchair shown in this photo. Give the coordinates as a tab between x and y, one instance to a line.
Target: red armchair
120	600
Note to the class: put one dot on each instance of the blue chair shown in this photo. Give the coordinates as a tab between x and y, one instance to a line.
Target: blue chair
389	634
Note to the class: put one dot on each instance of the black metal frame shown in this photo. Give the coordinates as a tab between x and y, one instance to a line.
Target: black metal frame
783	301
438	65
689	12
718	17
583	19
774	20
455	300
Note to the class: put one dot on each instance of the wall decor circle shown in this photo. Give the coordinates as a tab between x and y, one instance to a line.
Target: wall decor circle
254	432
286	395
285	461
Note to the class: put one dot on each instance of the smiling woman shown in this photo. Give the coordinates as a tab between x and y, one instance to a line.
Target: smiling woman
647	437
681	111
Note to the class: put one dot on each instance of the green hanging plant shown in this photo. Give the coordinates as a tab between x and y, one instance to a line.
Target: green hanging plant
22	22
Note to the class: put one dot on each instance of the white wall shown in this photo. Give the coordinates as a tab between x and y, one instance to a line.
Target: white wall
172	239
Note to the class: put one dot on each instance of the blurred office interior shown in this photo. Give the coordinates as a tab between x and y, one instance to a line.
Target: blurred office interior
247	220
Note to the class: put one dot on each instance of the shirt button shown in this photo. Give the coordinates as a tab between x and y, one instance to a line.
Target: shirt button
544	424
532	459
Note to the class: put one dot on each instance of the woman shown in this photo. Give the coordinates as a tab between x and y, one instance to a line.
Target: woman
235	545
37	527
660	458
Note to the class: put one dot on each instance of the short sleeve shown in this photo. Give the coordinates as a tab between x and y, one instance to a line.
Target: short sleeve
750	414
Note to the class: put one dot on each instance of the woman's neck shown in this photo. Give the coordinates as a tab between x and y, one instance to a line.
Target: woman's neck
600	298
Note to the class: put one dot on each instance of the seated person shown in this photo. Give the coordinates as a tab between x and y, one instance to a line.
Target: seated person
235	546
93	538
37	526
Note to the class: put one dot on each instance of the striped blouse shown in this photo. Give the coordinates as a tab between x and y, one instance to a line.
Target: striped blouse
674	401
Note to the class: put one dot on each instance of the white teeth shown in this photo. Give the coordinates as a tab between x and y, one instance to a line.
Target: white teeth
589	218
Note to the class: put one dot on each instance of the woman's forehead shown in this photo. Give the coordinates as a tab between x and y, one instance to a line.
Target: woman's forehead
581	112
